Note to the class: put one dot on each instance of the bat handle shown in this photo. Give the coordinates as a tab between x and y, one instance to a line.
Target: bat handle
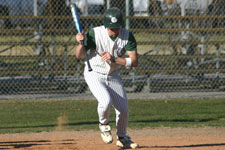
87	59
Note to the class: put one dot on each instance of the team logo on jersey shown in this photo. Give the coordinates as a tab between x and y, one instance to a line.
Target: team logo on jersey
113	19
120	52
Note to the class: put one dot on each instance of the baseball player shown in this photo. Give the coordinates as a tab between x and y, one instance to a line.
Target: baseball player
107	45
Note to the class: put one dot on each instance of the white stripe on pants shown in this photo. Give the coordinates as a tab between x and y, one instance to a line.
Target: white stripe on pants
108	89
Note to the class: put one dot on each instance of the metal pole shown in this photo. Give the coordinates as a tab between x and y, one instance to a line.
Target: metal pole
65	62
203	47
108	4
35	8
183	34
36	35
127	14
217	62
52	47
86	8
182	14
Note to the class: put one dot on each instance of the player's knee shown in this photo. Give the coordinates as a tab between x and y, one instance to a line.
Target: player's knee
104	106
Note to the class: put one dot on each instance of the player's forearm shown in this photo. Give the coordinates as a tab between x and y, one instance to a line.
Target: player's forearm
79	51
130	61
122	61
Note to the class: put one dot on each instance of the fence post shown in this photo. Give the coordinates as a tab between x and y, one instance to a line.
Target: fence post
37	36
127	14
108	4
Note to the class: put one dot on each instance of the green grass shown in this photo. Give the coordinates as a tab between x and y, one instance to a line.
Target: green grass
18	116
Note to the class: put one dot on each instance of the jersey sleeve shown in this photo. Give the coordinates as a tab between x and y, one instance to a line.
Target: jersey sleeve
89	41
132	44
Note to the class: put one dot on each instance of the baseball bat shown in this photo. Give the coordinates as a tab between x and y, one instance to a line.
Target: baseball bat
76	20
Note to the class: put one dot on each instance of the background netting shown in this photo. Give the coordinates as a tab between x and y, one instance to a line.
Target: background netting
181	45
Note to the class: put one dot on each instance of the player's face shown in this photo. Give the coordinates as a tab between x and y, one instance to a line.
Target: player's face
113	32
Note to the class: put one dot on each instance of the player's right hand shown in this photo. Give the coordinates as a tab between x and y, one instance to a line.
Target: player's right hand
80	37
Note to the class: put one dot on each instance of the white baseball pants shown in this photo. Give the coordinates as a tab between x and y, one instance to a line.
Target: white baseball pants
108	89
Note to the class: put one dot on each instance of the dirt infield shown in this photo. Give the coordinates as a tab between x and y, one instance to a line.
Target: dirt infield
149	139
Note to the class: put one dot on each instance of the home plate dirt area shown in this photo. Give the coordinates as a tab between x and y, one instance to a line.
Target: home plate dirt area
207	138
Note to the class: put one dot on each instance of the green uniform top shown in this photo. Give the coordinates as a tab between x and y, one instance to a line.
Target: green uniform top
90	41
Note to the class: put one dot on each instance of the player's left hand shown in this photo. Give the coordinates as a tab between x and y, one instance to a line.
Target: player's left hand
106	56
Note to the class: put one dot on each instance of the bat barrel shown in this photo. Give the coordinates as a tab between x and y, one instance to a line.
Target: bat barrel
76	18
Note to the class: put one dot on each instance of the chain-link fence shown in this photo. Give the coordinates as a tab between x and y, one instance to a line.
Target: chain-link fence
181	45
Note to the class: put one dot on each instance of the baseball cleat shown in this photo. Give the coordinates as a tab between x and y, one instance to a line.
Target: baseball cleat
126	143
106	133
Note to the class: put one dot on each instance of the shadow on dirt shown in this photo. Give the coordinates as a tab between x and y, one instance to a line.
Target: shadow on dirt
185	146
175	120
24	144
54	125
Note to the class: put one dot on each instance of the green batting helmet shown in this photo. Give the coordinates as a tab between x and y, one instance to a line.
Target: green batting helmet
113	18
